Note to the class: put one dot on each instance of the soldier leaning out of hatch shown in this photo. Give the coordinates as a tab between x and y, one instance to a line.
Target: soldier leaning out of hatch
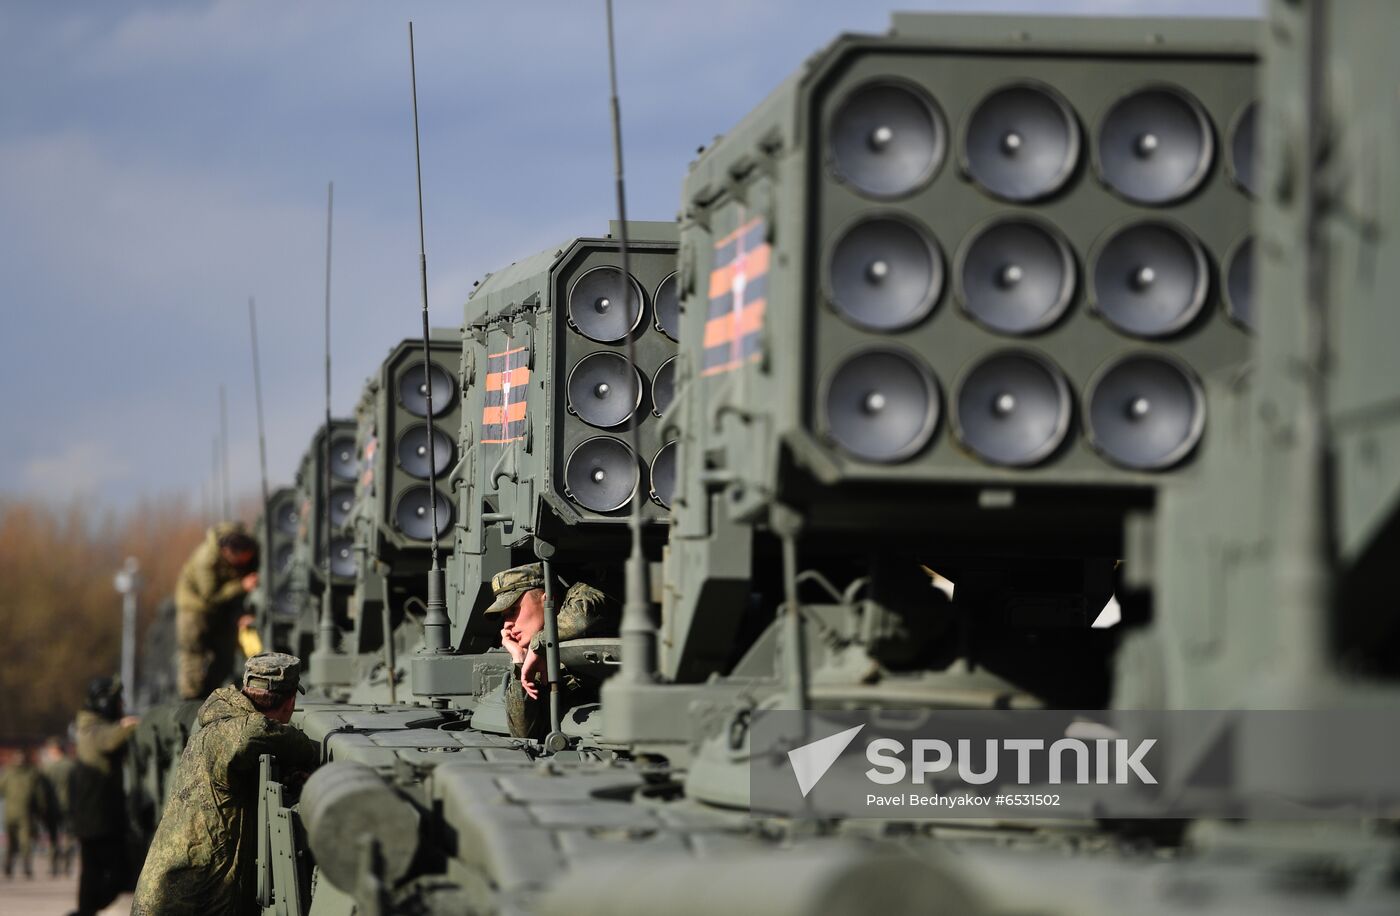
27	802
583	611
97	799
202	860
208	607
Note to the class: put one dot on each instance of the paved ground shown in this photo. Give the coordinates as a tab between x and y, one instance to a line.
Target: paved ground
45	896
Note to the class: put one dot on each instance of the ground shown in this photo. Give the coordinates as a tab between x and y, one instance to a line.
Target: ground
45	896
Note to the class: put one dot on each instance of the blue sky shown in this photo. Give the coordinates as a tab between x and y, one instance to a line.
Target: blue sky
161	161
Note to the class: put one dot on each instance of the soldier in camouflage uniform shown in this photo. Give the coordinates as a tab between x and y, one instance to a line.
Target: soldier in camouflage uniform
519	600
202	858
58	767
208	601
27	796
98	801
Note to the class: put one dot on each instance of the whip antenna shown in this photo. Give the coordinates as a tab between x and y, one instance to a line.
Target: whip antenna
269	563
638	634
435	621
269	567
326	626
215	481
223	451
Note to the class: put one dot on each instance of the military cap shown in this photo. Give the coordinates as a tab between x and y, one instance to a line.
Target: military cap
105	696
512	583
275	672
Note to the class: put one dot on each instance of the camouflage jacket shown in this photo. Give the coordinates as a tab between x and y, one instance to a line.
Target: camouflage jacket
95	783
583	612
201	860
207	580
58	772
27	793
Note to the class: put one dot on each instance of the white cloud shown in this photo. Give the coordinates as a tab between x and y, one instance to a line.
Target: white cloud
157	235
80	468
195	34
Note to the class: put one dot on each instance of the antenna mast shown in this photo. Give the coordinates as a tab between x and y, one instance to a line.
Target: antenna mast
215	481
223	449
638	634
436	624
326	625
268	563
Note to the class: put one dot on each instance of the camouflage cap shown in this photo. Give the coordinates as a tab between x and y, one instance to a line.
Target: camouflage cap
276	672
512	583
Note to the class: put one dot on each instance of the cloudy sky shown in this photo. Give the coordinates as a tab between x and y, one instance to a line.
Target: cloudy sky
161	161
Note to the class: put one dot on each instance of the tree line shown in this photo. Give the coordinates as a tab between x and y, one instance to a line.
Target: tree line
60	613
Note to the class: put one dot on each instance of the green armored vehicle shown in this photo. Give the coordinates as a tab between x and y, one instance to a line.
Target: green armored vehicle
391	517
324	524
928	272
975	299
549	397
278	600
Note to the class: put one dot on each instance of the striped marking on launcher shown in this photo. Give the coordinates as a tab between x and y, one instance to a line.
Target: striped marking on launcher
503	418
738	297
367	475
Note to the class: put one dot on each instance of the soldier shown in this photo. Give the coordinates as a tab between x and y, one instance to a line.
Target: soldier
26	794
58	767
202	858
208	596
520	602
96	797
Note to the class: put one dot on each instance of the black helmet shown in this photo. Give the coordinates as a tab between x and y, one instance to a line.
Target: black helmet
105	697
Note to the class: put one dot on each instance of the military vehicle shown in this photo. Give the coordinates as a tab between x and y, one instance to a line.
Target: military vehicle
391	518
968	304
277	601
545	338
324	520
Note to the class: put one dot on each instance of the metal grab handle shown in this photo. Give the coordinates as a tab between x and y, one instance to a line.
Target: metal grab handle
497	472
264	886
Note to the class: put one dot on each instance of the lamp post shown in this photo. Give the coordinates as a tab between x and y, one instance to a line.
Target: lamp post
127	581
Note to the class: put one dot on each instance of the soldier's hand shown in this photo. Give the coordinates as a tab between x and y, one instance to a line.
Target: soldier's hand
250	581
246	621
130	720
516	650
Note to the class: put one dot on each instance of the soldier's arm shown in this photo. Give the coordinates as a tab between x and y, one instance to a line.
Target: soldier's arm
293	750
110	736
213	592
230	590
583	611
202	579
527	718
